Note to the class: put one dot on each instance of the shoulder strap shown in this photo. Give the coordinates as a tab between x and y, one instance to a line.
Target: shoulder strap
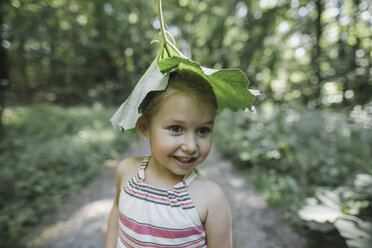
141	170
190	177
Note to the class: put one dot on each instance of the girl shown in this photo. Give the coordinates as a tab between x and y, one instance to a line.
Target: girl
161	200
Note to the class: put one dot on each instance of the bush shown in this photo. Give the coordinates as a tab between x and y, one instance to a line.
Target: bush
345	208
46	153
291	152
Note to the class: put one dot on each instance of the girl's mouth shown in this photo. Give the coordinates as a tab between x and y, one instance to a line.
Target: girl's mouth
184	161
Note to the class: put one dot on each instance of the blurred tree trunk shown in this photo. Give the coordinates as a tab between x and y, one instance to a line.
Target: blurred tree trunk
4	70
343	57
23	85
359	84
317	54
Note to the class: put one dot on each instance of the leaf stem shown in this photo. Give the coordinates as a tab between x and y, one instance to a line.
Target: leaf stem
161	20
164	32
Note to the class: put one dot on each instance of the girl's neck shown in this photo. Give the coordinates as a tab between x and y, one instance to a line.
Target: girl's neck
158	175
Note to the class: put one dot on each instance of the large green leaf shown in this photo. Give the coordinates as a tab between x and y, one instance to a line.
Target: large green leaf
125	118
229	85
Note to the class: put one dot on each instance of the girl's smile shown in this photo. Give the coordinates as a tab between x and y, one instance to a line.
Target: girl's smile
185	162
180	134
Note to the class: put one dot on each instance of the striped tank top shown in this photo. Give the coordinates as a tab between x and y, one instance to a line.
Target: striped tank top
154	217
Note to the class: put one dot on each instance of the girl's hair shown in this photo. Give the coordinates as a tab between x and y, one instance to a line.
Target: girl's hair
181	81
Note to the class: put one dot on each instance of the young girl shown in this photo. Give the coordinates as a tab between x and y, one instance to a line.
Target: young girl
161	200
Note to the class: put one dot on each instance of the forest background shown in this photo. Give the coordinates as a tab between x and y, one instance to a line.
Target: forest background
66	65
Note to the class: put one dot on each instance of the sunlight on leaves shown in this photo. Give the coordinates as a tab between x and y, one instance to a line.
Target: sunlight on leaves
328	208
358	234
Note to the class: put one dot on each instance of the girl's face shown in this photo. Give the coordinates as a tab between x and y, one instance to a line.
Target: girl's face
180	133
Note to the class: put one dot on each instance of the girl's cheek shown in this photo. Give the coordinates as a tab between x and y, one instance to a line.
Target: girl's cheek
205	143
172	141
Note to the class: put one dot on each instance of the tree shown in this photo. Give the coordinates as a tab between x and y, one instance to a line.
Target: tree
4	75
314	52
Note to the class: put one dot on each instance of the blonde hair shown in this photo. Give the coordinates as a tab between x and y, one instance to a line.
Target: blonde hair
183	81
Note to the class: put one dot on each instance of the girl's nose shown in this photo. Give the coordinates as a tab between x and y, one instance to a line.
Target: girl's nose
190	145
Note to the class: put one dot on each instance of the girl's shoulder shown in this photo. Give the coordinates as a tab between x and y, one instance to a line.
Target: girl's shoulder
208	189
214	211
128	168
205	194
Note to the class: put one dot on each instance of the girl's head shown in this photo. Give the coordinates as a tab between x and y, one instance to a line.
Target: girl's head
179	122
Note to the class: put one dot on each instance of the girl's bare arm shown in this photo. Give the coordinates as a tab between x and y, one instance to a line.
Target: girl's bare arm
218	221
113	221
112	228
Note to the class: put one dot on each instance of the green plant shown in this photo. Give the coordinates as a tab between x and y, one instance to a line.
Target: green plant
344	208
291	152
46	153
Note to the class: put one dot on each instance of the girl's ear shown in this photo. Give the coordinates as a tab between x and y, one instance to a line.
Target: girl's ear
143	127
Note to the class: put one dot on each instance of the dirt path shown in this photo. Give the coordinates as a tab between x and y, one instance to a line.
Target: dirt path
81	221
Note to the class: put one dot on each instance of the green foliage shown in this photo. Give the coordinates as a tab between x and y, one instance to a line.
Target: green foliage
314	52
343	207
291	152
77	51
46	153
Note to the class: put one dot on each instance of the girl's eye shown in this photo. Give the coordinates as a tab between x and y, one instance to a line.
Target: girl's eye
203	131
175	129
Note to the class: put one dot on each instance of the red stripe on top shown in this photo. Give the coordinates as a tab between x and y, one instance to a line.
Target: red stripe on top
158	231
133	243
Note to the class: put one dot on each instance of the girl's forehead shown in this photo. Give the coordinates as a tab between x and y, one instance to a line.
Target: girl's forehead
183	106
180	99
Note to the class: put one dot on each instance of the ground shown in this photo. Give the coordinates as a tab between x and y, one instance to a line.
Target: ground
81	221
